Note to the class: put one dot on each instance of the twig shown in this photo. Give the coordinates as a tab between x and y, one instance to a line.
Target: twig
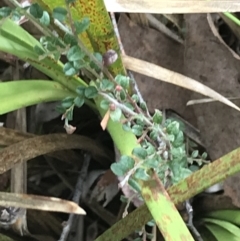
190	221
134	83
77	195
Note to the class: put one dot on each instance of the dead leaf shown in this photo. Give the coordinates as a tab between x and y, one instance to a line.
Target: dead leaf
106	188
216	33
172	6
105	120
169	76
39	203
40	145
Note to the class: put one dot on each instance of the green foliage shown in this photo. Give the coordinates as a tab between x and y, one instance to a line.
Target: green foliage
69	69
161	145
137	130
45	19
36	10
157	117
81	26
140	153
90	92
141	174
134	185
124	165
106	85
60	13
104	104
123	81
116	114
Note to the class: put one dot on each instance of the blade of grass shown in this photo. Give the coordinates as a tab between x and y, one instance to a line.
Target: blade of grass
166	216
18	94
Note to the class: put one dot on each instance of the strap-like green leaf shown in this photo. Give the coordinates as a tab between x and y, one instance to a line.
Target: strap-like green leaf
224	225
221	234
232	216
18	94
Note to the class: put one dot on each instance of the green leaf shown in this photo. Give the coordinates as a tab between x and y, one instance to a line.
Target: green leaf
45	19
127	161
15	16
127	126
123	81
69	114
5	12
179	139
81	26
231	228
154	135
220	233
143	106
36	10
104	104
232	216
125	164
129	106
98	56
173	128
116	114
59	13
151	223
29	92
134	185
79	101
69	69
39	50
139	152
79	64
80	91
117	170
139	120
75	53
67	102
178	152
150	149
69	39
179	173
106	85
195	154
123	199
151	162
90	92
157	117
204	156
135	98
141	174
137	130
